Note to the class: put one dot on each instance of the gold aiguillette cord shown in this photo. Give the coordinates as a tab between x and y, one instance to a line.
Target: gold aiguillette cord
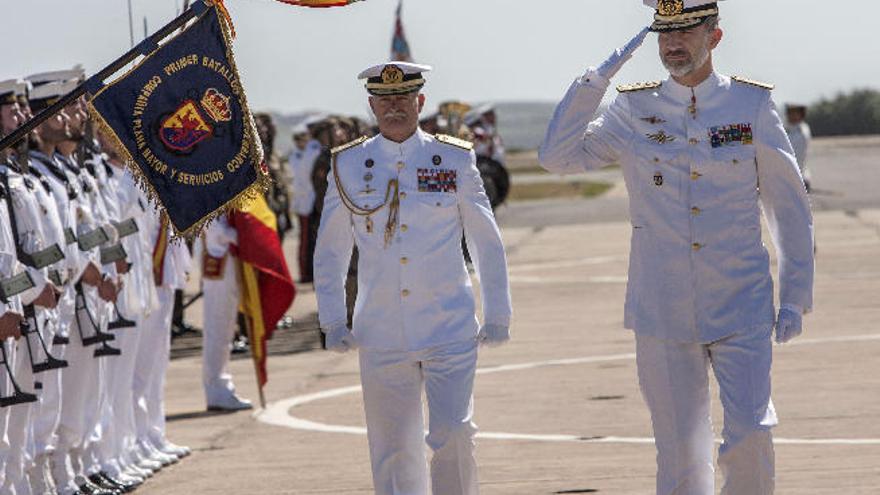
391	196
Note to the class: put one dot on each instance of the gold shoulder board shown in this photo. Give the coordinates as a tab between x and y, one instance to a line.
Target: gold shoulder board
752	82
627	88
352	144
454	141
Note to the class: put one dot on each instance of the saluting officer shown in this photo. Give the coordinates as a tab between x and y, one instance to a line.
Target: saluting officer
404	198
701	154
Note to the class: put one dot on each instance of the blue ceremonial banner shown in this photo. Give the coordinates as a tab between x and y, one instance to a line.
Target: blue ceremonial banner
180	118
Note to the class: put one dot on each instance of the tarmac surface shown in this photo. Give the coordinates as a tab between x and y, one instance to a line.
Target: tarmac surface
559	408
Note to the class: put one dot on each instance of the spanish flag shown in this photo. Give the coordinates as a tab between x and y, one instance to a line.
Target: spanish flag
267	289
319	3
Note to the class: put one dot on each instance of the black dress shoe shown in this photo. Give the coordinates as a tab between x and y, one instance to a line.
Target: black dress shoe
104	481
91	489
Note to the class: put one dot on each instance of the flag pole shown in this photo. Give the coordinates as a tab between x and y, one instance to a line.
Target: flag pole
15	136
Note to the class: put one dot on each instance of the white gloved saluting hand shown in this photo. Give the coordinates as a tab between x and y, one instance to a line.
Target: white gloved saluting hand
620	56
339	339
789	323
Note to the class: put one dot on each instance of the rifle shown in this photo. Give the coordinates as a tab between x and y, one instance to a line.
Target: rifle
18	396
114	254
99	337
37	260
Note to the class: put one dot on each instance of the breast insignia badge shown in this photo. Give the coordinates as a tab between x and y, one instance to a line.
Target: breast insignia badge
654	120
661	137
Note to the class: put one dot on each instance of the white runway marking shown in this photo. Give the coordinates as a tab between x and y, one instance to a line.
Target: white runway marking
279	413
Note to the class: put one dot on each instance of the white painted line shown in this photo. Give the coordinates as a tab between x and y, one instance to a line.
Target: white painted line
279	414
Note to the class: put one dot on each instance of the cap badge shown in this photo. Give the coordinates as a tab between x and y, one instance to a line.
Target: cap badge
670	7
392	74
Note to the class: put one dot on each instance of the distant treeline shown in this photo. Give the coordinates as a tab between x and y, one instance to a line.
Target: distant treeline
846	114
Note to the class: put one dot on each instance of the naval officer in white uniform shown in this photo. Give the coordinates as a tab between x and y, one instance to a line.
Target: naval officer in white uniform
702	154
404	198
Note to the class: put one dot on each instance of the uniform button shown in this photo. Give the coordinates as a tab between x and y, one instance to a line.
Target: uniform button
695	211
695	175
656	160
400	165
404	260
438	203
404	228
402	195
696	246
693	140
735	161
404	292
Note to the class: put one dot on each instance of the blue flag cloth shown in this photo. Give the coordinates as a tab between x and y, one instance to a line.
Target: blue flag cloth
181	119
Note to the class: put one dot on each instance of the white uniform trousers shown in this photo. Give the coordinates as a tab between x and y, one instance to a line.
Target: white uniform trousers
104	428
6	390
221	311
122	434
392	387
99	417
81	400
20	428
154	349
674	381
47	412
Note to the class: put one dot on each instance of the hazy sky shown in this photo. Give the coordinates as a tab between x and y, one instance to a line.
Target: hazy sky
293	59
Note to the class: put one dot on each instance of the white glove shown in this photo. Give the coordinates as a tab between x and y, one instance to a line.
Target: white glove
789	323
620	56
493	335
339	339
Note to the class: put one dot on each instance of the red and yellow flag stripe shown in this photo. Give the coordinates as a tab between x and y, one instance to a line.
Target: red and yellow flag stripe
319	3
267	289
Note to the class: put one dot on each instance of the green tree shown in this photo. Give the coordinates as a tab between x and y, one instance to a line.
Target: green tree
846	114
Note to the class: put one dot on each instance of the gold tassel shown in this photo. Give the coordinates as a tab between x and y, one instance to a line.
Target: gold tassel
393	212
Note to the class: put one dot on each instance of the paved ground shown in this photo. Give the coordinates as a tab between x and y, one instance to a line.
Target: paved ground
559	406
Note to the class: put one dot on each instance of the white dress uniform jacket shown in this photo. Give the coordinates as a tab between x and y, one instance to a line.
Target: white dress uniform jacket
698	269
415	292
301	163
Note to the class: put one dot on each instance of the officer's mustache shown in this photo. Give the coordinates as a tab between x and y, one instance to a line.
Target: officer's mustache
393	114
676	53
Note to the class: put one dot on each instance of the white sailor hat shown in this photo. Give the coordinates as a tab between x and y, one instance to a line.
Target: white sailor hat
675	15
394	78
76	74
10	90
46	94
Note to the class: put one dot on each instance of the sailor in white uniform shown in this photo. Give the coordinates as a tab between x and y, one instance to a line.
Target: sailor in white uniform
702	154
404	198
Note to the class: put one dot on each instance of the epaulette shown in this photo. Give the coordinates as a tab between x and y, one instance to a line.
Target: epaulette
627	88
352	144
752	82
454	141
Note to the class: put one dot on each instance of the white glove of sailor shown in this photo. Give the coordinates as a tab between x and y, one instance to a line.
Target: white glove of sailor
339	339
620	56
493	335
789	323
